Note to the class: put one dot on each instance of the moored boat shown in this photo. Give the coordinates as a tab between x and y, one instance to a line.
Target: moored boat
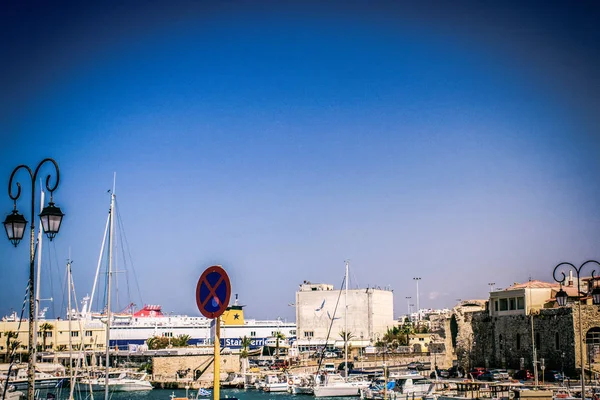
123	381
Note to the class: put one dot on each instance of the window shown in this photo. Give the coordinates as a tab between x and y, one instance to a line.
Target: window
74	333
495	305
557	341
518	341
512	303
88	333
48	333
309	334
503	304
293	332
168	334
520	303
252	334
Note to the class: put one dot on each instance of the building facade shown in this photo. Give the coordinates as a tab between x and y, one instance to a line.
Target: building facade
525	317
321	311
52	336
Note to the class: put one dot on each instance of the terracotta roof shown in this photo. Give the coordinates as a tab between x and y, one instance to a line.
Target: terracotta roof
533	284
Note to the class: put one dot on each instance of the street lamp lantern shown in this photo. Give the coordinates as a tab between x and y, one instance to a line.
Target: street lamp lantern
15	224
561	297
51	217
596	296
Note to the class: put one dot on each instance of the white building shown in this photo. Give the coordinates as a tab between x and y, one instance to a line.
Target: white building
370	313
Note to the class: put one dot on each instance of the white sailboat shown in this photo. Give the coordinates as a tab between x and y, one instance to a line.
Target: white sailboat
335	385
112	381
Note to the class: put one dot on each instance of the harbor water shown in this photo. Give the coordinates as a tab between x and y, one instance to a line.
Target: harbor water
165	394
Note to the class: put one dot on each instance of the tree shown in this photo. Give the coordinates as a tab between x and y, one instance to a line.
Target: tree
45	328
346	337
158	342
407	329
10	335
246	342
393	337
278	336
181	341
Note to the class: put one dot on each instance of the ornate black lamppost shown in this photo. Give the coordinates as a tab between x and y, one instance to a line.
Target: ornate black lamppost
14	224
561	299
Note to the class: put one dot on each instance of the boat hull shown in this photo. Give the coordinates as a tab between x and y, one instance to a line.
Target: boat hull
337	391
50	383
276	387
116	387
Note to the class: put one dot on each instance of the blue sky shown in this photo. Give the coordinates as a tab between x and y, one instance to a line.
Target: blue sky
458	144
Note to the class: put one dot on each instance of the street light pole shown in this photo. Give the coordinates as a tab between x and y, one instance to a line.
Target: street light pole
14	225
417	279
561	299
408	305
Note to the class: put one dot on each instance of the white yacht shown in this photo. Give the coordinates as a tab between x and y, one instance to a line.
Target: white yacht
122	381
335	385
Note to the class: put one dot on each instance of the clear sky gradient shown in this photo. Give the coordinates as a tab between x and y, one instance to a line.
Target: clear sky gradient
457	142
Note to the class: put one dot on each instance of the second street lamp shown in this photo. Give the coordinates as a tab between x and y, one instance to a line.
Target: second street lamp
15	224
562	297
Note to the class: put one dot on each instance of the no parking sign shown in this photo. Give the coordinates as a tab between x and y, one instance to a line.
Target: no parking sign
213	292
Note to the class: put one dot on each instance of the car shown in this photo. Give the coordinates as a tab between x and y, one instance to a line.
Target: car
330	354
523	375
416	365
494	375
486	376
264	363
553	376
477	372
444	373
329	367
501	374
455	372
278	364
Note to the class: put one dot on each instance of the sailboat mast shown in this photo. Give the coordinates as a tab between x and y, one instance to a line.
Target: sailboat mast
108	313
89	306
39	273
346	324
70	316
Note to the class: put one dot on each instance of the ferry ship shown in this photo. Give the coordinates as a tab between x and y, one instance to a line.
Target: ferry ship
134	329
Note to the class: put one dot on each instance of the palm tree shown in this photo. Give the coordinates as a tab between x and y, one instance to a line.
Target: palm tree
407	329
181	341
14	345
10	335
392	337
346	337
278	336
158	342
246	342
45	328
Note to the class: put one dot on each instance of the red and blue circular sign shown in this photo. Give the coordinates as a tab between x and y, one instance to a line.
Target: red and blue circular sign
213	292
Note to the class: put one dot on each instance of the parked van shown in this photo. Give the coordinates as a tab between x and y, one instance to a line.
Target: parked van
329	368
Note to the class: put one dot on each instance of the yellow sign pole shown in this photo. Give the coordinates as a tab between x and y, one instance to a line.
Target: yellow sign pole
217	367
